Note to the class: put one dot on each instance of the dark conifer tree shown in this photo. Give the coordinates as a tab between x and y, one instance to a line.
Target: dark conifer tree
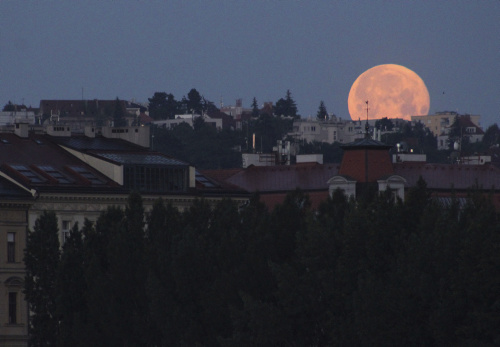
322	114
71	289
255	108
119	119
164	224
194	102
41	258
158	106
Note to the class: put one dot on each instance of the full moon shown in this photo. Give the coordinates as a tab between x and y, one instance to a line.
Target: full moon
393	91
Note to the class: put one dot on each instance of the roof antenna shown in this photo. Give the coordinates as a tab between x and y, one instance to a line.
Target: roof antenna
367	127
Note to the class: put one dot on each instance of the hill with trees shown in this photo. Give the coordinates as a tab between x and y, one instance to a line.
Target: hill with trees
210	149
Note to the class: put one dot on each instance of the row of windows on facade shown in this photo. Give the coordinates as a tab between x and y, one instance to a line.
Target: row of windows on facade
11	258
155	179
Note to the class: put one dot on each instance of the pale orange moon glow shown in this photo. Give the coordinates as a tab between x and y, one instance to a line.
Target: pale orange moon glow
393	91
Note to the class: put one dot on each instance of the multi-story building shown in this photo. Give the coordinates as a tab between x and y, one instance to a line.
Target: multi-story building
19	116
15	203
78	177
188	119
329	131
77	114
469	131
438	122
366	164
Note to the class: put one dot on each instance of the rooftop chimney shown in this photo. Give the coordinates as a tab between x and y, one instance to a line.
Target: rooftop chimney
21	130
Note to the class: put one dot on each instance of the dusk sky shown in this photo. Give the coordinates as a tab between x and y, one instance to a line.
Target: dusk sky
243	49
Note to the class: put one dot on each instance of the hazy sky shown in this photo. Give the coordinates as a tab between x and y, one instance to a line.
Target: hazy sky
244	49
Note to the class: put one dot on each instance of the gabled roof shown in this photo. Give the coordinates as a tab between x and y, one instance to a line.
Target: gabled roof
466	122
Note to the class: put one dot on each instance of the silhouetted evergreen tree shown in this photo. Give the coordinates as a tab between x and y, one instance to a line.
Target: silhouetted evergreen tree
71	289
322	114
119	119
194	102
286	107
41	258
255	108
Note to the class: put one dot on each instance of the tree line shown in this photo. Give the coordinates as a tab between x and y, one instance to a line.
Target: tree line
370	272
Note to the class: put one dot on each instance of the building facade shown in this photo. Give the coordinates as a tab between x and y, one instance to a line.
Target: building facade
78	177
437	123
329	131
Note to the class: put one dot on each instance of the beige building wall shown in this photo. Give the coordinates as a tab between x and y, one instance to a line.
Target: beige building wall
439	121
326	131
13	307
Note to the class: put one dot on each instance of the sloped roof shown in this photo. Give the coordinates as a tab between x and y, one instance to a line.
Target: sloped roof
366	142
466	122
310	176
84	143
140	158
221	175
38	163
117	150
145	119
447	176
11	191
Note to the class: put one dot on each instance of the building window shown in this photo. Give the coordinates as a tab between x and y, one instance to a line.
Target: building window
13	308
156	178
66	227
11	247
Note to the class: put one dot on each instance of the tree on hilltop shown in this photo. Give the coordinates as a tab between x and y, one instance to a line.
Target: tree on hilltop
322	114
255	108
286	107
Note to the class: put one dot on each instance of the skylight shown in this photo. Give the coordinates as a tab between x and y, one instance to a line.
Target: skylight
28	173
86	174
57	175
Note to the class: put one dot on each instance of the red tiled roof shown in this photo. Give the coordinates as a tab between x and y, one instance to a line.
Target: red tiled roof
145	119
285	178
446	176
